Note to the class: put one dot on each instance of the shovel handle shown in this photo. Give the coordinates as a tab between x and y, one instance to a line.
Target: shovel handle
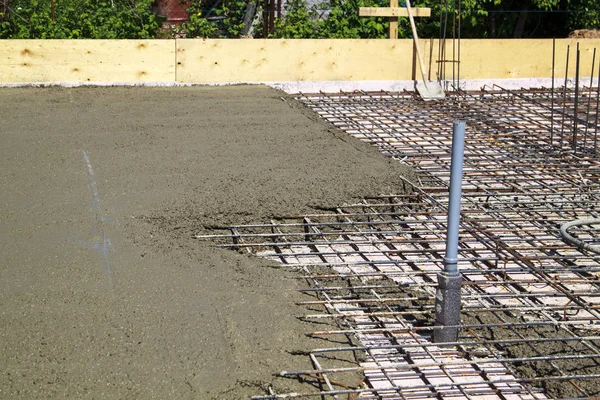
416	39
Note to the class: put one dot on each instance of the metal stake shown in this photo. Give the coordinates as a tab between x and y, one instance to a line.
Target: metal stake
564	110
576	111
552	100
589	103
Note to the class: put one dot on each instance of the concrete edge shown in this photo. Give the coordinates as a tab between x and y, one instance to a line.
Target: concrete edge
294	87
398	86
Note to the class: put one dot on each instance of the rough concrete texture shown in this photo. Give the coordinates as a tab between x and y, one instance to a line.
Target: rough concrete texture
555	389
103	292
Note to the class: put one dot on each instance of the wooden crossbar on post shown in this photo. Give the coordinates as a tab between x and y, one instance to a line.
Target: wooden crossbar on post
393	12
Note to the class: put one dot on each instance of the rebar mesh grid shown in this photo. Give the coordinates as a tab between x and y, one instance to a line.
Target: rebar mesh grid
530	322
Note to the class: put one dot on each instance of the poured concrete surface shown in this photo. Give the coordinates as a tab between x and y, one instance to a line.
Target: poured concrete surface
103	292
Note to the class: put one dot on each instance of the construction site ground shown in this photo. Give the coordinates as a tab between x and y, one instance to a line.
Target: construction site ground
103	291
529	309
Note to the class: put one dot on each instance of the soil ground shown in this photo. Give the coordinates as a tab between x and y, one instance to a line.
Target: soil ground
585	34
103	292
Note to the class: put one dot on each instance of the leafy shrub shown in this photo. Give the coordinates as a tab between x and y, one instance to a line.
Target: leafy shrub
75	19
226	20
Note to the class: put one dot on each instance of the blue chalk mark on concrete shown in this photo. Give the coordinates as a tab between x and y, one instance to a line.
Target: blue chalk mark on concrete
104	246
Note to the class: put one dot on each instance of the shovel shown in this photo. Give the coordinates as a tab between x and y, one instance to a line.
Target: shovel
428	90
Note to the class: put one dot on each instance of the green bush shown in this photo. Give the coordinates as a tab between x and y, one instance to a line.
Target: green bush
135	19
587	15
341	20
78	19
300	21
227	20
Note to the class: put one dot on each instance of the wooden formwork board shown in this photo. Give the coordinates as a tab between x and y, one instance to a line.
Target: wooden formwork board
203	61
280	60
272	60
87	61
515	58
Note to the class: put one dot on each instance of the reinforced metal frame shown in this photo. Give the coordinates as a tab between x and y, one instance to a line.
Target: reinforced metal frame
531	302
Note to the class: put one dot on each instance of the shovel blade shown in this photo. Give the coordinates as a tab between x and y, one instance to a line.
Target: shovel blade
430	91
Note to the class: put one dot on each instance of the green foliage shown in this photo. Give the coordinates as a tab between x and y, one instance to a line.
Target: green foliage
197	25
300	21
503	18
527	18
588	16
74	19
333	19
323	19
233	13
479	19
343	21
227	20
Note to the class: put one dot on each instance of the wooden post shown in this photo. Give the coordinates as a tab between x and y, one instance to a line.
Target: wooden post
393	22
392	12
272	6
269	15
265	19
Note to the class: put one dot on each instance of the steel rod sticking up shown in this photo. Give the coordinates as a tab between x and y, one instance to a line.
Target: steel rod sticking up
564	99
575	110
589	102
372	267
552	92
597	110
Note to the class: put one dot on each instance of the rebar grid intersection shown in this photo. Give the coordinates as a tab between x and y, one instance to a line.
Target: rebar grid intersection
531	302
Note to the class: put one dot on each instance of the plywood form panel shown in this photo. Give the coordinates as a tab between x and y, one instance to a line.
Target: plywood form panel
259	60
516	58
270	60
87	61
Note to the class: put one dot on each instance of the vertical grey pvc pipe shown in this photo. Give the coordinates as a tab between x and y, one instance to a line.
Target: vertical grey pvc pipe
456	173
447	297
